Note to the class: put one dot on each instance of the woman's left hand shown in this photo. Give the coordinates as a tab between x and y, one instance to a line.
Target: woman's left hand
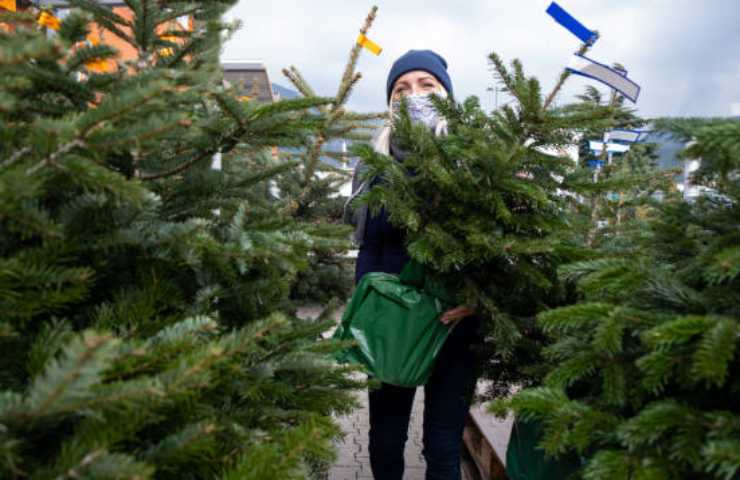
456	314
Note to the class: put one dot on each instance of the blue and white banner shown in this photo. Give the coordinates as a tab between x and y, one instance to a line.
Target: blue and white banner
574	26
598	147
623	135
611	77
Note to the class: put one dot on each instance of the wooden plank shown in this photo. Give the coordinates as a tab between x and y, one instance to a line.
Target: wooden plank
490	466
486	438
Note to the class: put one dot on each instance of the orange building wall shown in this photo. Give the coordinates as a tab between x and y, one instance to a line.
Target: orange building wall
126	51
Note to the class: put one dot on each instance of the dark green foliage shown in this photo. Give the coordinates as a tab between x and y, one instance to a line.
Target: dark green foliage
644	370
330	274
615	200
140	289
483	209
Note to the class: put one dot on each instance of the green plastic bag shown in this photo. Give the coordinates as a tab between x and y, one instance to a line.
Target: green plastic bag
396	326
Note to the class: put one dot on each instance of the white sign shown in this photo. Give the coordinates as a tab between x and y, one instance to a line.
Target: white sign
610	147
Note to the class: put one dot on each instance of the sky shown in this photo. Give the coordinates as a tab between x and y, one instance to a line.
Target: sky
685	54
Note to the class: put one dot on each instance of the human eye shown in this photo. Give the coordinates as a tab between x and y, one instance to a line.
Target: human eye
398	93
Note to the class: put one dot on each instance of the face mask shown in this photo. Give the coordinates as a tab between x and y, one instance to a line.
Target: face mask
420	108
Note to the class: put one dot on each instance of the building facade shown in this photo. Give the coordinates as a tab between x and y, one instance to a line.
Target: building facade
251	79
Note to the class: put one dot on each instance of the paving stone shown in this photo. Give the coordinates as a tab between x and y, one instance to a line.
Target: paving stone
353	456
345	458
342	473
412	473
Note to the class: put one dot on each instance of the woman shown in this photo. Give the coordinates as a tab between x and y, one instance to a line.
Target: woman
448	392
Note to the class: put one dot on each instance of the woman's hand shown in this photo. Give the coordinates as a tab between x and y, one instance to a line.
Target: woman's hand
456	314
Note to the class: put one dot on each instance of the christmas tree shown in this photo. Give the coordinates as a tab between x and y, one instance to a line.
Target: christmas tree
140	288
616	191
314	188
644	369
484	210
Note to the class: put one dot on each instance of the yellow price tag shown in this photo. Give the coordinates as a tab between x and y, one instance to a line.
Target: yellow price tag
99	65
48	20
365	42
168	51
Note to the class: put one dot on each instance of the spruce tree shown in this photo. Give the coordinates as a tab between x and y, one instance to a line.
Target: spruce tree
141	289
644	369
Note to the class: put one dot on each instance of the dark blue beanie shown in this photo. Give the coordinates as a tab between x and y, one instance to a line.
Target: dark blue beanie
426	60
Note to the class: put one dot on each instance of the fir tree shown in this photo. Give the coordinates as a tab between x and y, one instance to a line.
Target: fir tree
140	288
616	192
644	369
483	210
314	188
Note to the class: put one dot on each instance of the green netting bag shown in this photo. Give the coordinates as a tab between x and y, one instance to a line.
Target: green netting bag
396	325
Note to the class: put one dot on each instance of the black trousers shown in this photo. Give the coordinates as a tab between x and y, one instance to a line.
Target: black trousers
447	396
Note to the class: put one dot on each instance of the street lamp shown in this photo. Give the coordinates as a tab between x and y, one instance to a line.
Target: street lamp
494	90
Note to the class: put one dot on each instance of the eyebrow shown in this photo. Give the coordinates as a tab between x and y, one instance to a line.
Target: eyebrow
405	82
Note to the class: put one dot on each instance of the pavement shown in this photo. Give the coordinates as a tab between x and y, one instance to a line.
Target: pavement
353	460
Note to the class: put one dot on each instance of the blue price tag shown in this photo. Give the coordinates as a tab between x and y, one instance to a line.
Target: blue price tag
574	26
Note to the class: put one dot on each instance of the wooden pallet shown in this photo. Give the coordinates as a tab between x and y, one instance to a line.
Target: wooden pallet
484	445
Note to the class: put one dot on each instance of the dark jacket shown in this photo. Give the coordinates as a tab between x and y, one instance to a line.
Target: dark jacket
381	247
357	215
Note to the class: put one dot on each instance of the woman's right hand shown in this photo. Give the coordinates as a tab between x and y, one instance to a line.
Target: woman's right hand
456	314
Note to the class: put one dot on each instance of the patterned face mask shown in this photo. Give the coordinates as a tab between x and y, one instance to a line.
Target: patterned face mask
420	108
